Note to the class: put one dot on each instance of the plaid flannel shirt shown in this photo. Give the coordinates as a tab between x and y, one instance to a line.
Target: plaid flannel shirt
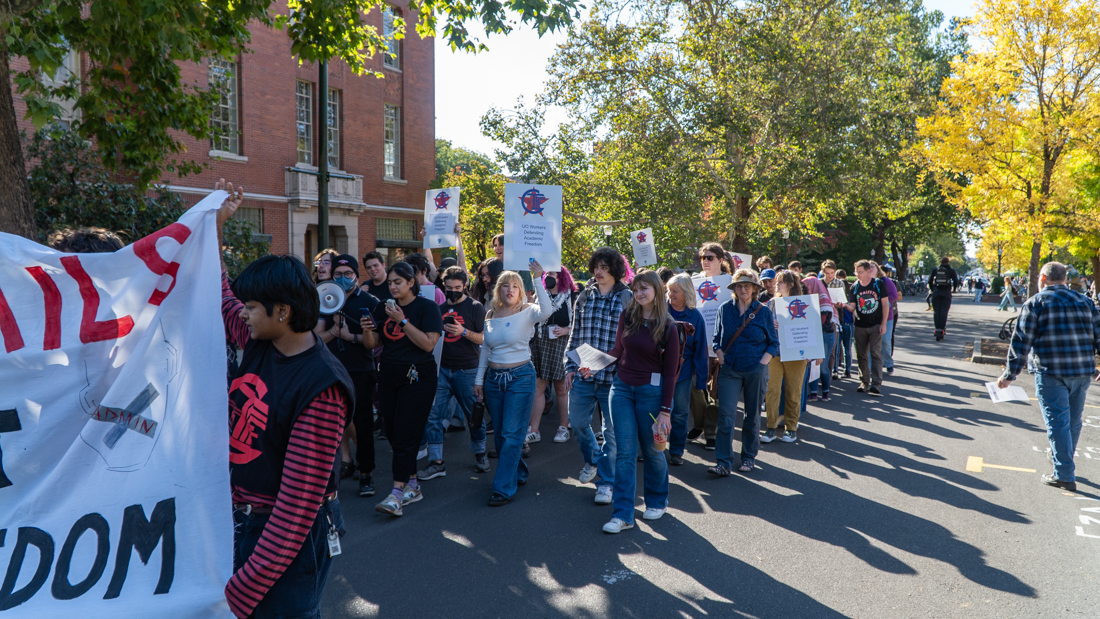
595	324
1058	332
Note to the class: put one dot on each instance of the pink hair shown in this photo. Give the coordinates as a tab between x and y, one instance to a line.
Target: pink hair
565	280
629	277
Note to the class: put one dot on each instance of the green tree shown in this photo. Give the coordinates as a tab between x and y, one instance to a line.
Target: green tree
482	211
133	104
448	157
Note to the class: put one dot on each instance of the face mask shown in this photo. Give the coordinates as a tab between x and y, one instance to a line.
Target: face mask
550	282
347	283
453	295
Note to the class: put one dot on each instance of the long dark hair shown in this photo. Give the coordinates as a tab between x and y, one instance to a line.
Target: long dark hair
494	266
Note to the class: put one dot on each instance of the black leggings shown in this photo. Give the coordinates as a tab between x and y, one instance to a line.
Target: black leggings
941	304
405	408
364	420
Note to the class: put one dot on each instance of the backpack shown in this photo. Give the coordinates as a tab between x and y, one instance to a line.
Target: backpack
625	297
942	279
683	329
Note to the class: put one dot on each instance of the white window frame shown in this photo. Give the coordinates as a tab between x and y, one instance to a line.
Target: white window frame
225	118
391	59
333	129
391	141
303	120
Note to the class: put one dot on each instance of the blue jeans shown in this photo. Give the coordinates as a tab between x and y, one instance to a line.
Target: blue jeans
844	351
681	410
1005	300
297	593
460	385
887	346
734	386
582	405
1062	401
634	409
826	377
978	295
508	396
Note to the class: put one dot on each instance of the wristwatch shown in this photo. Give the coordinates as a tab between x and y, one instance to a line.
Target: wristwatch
404	321
464	332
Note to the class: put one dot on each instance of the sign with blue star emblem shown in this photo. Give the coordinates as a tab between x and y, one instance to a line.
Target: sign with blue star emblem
710	294
532	226
440	217
645	251
799	323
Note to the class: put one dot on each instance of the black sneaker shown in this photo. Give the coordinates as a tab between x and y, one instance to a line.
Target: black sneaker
889	370
709	446
488	427
435	469
347	469
499	499
526	449
676	460
847	375
768	436
382	434
1049	480
874	391
366	486
695	433
456	429
861	388
492	453
481	463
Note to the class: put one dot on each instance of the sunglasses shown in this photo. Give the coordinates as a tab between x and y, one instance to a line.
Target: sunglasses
708	257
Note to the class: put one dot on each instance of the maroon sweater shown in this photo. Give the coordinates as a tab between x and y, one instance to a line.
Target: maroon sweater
639	358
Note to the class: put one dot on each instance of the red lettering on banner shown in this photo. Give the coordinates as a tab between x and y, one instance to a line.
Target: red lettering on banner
92	330
52	297
146	249
13	340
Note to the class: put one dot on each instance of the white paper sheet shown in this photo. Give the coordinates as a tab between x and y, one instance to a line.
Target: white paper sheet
838	296
585	356
815	371
1012	393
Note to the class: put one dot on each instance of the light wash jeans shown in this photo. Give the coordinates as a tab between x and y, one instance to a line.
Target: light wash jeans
460	385
1006	299
681	410
734	386
844	350
826	376
887	346
582	405
508	396
1062	401
634	409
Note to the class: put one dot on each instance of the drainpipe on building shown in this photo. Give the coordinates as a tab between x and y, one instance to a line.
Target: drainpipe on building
322	165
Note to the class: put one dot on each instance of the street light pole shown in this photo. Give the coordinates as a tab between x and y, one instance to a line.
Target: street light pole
322	165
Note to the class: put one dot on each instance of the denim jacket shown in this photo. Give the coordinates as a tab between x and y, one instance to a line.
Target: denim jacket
759	336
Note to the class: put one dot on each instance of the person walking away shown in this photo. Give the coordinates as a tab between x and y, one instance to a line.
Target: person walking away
704	405
463	331
941	282
408	327
882	274
871	307
829	325
1007	296
745	340
595	320
647	347
696	362
979	288
1058	333
283	462
343	335
506	377
548	353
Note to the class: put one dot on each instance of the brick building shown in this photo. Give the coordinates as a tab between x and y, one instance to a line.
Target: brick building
381	134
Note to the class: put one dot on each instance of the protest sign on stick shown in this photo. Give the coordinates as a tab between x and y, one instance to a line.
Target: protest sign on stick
799	322
710	294
741	261
440	217
532	226
114	433
645	251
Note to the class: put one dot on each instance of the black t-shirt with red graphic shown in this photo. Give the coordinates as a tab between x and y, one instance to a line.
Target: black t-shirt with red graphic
868	300
459	353
396	347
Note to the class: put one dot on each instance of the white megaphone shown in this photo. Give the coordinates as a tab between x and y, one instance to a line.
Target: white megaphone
332	297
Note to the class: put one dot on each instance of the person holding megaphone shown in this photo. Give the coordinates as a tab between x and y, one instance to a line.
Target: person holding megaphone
339	328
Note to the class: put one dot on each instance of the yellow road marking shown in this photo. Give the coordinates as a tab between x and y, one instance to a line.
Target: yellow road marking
974	464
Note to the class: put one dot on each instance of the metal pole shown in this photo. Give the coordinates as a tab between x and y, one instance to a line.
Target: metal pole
322	165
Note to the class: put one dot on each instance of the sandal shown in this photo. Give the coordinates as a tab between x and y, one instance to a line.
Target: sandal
747	466
718	470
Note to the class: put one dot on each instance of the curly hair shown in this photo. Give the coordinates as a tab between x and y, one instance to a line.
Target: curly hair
612	259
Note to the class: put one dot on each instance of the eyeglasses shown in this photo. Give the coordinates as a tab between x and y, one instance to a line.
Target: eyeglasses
708	257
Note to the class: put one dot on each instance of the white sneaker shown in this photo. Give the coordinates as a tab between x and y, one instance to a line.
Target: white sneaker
616	525
533	437
423	453
562	436
652	513
588	473
603	496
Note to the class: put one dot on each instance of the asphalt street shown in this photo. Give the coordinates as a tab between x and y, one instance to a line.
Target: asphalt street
872	513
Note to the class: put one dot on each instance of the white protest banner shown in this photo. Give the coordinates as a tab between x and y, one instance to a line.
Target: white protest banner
427	291
799	321
710	294
645	252
440	216
532	226
114	427
838	295
741	261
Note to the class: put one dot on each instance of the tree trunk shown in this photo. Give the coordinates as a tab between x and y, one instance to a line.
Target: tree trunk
740	241
901	259
16	210
1033	269
1094	260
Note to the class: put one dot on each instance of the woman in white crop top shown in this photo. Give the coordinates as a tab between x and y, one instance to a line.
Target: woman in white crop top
506	376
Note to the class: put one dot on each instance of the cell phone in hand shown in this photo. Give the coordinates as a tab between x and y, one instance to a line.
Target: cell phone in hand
449	319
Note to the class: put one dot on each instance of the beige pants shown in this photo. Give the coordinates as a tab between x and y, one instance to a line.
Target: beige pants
793	371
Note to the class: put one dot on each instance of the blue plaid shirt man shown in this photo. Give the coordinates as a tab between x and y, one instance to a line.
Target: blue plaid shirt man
595	323
1058	332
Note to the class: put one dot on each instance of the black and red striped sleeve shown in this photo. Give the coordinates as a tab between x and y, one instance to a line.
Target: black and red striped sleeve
235	328
314	440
